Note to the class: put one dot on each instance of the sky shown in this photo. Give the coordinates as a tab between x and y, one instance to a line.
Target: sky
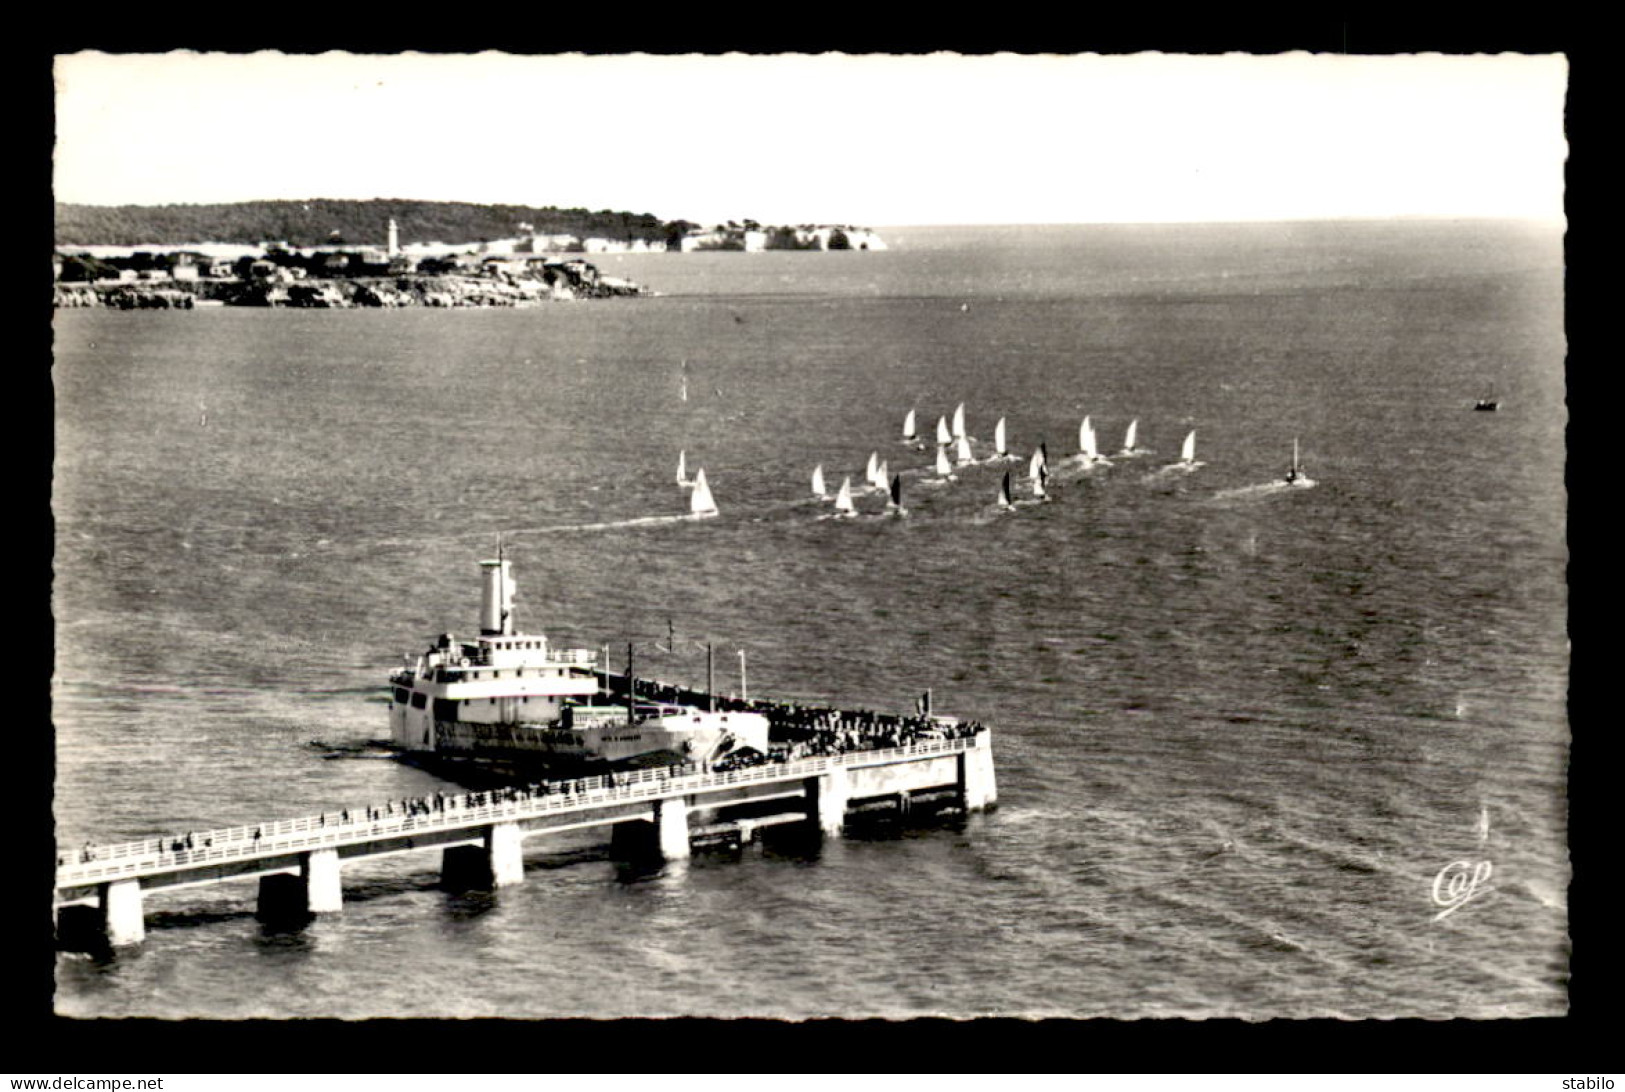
865	140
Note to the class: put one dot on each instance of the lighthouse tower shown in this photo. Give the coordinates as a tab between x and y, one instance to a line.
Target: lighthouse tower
394	239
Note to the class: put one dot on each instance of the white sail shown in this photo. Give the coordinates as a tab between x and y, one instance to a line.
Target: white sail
1187	453
1128	437
701	504
1038	484
943	435
963	453
1004	491
1086	441
959	421
843	499
874	468
882	476
682	468
818	481
1035	466
998	439
908	426
942	461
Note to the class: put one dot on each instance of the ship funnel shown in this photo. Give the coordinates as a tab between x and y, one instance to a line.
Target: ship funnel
496	599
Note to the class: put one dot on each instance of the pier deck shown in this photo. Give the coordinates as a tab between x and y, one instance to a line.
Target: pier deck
298	860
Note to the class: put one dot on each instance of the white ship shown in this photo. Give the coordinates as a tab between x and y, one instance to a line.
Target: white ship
513	699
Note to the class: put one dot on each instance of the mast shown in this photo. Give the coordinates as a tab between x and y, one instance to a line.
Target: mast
630	699
710	679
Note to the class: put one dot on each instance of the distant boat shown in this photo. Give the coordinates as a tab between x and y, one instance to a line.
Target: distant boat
1039	491
959	421
871	474
701	504
1489	405
882	476
843	499
818	482
895	504
682	469
1187	451
942	463
908	426
1035	466
998	439
1004	491
1295	474
1128	437
943	435
962	453
1087	445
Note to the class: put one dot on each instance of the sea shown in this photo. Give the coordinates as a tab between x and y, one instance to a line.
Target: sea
1262	751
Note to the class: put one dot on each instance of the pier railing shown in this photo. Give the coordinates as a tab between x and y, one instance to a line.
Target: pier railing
330	829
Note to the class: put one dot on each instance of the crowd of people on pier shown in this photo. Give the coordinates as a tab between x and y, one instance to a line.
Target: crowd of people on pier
803	731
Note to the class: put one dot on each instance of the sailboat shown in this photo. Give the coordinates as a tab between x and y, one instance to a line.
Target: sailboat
1039	492
883	475
1295	474
943	435
908	426
1187	451
682	470
943	469
1128	437
962	454
959	421
895	504
1035	466
818	482
700	503
870	475
998	439
1004	492
1088	448
843	499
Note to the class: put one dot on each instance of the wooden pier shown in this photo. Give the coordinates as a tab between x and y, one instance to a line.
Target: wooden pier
656	813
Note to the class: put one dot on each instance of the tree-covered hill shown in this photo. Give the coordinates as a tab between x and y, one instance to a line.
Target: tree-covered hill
361	223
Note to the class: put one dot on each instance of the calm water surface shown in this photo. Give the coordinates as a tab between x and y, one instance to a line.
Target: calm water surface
1239	729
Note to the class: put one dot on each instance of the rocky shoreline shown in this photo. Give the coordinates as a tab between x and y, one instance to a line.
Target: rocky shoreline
414	290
